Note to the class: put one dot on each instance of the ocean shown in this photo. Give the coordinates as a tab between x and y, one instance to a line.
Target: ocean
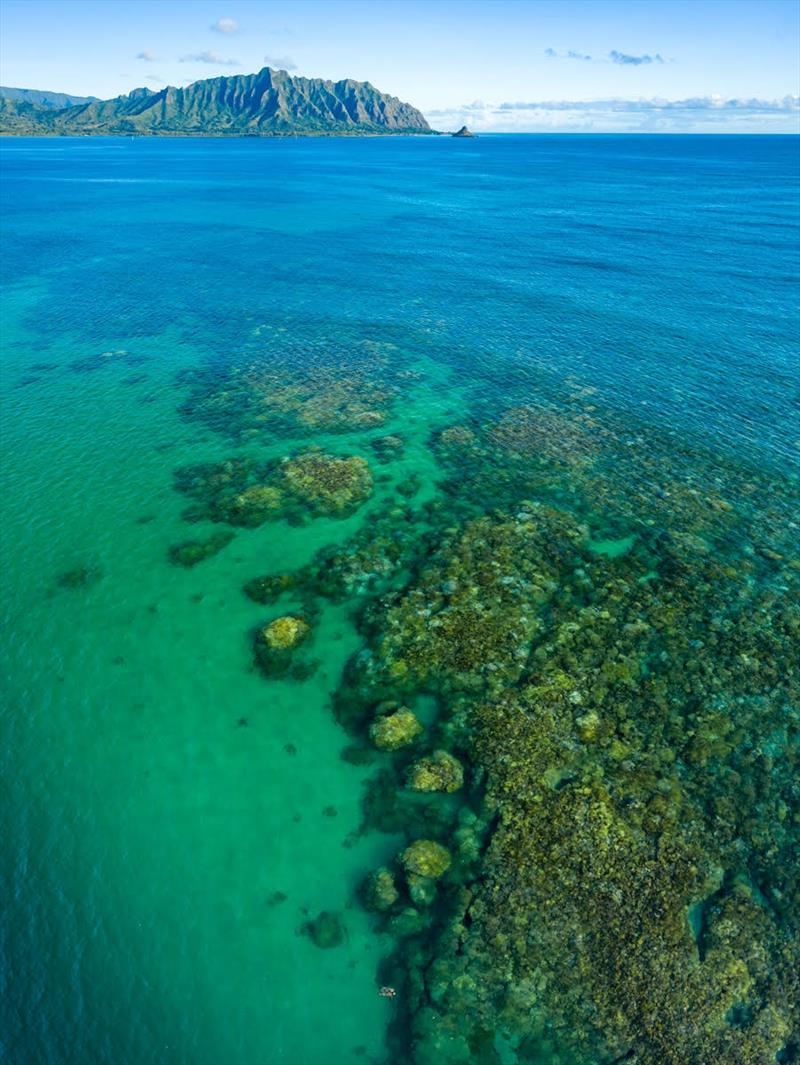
342	353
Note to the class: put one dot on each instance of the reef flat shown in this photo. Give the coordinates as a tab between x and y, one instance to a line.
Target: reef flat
421	673
607	625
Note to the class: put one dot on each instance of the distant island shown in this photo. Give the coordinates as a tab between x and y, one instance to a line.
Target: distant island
269	103
51	101
463	132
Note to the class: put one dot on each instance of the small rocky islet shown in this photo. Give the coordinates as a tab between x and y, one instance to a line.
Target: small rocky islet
601	816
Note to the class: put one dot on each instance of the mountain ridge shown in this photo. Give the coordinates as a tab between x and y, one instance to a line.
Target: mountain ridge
267	103
54	101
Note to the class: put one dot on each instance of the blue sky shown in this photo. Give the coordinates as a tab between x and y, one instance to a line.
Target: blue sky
503	65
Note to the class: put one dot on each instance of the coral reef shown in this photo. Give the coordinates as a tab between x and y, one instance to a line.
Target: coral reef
426	858
387	448
601	813
395	729
469	622
377	557
438	772
340	392
327	484
244	492
253	506
268	589
379	892
284	633
457	436
276	643
631	702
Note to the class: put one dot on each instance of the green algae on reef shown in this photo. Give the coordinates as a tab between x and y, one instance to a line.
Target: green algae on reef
426	858
622	723
243	492
332	392
439	771
379	556
601	817
276	645
395	729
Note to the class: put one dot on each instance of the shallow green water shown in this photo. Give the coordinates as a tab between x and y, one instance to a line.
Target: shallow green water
155	829
169	793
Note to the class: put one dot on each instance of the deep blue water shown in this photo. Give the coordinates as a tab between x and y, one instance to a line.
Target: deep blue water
147	839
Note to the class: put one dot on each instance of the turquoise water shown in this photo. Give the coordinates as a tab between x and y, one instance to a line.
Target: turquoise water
172	818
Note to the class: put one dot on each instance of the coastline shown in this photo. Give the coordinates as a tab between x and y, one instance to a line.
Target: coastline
231	136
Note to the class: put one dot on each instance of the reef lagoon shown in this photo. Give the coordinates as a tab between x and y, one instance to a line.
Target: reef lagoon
400	604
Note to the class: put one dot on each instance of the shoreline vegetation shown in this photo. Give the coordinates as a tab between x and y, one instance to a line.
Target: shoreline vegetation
277	135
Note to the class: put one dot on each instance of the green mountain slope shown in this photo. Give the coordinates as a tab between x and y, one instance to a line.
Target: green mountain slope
269	102
17	117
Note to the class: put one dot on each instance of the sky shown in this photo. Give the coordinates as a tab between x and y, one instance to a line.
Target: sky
494	65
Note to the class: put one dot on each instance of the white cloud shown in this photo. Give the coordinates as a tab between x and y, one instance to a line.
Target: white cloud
694	103
225	25
155	80
147	56
622	59
280	62
210	57
551	53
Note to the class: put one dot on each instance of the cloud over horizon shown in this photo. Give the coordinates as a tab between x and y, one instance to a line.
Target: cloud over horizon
210	57
621	115
787	103
147	56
